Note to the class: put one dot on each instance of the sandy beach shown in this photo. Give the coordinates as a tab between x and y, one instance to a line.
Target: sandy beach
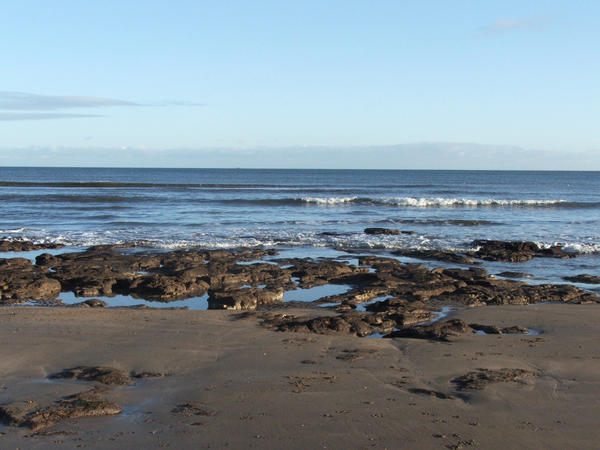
229	382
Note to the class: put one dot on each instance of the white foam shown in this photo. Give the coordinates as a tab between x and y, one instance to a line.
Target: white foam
430	202
328	200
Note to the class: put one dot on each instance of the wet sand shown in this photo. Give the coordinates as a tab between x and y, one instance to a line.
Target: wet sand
254	387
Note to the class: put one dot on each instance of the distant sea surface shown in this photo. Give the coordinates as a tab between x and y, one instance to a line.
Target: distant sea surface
300	209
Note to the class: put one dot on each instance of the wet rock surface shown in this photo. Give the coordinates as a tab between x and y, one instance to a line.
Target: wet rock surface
84	404
494	329
382	231
243	280
516	251
100	374
21	281
438	331
359	324
480	378
437	255
583	278
24	246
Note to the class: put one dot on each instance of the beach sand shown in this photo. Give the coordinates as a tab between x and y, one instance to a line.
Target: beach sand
231	383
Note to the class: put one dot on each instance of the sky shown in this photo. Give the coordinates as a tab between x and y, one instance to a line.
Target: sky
333	84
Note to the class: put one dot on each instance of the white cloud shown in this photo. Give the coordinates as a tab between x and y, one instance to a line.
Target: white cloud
36	104
42	116
24	101
509	24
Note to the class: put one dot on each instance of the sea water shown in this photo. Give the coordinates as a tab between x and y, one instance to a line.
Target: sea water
308	212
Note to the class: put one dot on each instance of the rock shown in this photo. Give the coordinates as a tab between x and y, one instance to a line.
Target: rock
192	409
355	323
516	251
24	246
247	298
480	378
382	231
436	255
101	374
430	392
487	329
144	375
20	282
83	404
94	303
514	275
583	278
14	414
515	329
165	288
438	331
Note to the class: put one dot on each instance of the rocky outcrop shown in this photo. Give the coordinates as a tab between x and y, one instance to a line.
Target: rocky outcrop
437	255
247	298
24	246
359	324
438	331
100	374
382	231
84	404
480	378
516	251
583	278
494	329
21	282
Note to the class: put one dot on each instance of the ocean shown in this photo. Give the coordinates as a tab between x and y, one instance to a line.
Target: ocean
308	212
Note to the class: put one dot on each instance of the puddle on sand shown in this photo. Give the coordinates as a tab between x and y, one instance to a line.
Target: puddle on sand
315	293
69	298
530	332
376	335
439	315
130	412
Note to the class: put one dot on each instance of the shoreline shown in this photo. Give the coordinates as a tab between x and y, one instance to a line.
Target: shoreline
250	386
275	373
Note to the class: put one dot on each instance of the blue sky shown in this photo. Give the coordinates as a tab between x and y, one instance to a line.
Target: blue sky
385	84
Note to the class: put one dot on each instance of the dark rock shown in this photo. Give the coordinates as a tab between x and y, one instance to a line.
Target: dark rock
487	329
192	409
584	278
516	251
514	275
350	323
430	392
494	329
24	246
144	375
247	298
20	282
515	329
94	303
354	354
382	231
436	255
104	375
439	331
83	404
160	287
480	378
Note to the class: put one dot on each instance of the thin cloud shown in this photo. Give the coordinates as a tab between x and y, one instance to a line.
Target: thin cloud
37	104
43	116
24	101
175	103
505	25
